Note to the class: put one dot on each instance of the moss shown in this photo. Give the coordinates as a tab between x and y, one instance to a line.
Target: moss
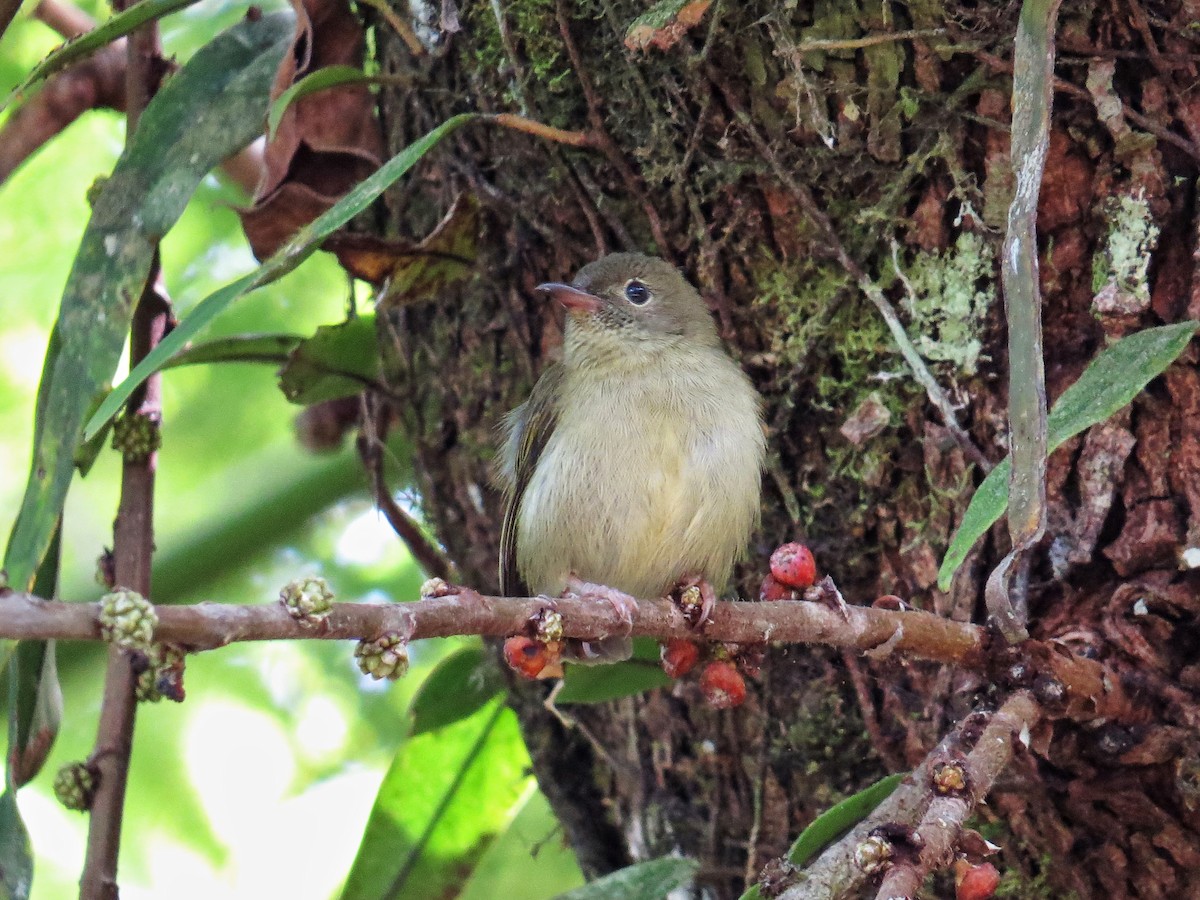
1015	886
542	68
952	291
1123	263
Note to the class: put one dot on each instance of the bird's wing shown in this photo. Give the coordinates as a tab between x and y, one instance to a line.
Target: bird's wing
529	427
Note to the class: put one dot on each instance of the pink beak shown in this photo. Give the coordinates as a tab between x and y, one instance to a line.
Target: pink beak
573	299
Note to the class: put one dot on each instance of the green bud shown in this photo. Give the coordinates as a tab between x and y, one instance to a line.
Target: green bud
384	657
127	619
308	600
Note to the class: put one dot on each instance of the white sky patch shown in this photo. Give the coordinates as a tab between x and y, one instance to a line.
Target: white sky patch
367	540
22	348
321	728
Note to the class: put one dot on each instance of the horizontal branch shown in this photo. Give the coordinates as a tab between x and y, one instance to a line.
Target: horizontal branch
207	625
1068	686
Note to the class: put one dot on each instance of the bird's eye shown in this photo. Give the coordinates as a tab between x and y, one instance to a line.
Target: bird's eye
637	293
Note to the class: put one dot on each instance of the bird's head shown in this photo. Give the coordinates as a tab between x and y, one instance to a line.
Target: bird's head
633	301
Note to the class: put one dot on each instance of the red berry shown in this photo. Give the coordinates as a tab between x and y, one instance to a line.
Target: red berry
976	882
774	589
679	657
526	655
793	564
722	685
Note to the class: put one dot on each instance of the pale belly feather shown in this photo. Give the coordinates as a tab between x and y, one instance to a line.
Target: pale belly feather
663	485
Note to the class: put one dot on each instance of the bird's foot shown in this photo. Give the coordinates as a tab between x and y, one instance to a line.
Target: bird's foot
624	605
695	598
607	648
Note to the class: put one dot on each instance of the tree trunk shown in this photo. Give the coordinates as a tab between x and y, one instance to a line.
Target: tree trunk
898	124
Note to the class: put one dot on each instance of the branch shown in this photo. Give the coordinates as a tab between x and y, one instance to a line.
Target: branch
133	530
97	82
844	866
429	556
1069	686
947	812
93	83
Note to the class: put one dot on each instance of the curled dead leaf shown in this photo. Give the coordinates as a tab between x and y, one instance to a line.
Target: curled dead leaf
406	272
664	24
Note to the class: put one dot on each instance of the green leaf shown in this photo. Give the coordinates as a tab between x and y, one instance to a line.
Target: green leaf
651	880
459	686
246	348
209	110
16	857
443	801
1110	382
35	699
599	684
81	47
35	709
321	79
338	361
302	245
840	818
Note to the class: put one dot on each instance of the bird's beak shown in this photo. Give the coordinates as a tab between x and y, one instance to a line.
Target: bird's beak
573	299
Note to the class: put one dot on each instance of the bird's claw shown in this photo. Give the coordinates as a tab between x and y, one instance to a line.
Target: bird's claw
624	605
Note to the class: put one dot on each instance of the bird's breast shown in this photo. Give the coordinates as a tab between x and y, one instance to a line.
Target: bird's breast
645	480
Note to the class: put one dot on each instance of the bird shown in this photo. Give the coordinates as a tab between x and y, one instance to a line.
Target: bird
635	464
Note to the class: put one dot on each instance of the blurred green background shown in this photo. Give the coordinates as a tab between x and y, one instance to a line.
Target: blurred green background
260	784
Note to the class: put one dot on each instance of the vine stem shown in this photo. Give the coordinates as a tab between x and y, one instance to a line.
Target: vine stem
133	531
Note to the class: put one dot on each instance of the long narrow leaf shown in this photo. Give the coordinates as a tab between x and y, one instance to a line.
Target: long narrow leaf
273	349
82	47
320	80
302	245
34	694
16	856
444	800
650	880
840	818
1110	382
211	109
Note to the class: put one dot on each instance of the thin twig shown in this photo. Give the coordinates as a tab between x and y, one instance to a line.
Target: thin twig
539	129
93	83
603	140
836	871
1063	86
398	25
1142	23
428	555
514	59
870	40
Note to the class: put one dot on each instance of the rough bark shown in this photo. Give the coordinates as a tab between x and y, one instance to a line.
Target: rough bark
902	139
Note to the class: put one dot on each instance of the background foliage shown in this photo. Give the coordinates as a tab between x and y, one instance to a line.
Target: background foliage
278	746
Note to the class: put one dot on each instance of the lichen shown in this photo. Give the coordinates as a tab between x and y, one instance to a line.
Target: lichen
1119	271
819	325
952	291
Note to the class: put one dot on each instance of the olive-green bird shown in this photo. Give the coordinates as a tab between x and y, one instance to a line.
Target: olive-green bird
636	461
